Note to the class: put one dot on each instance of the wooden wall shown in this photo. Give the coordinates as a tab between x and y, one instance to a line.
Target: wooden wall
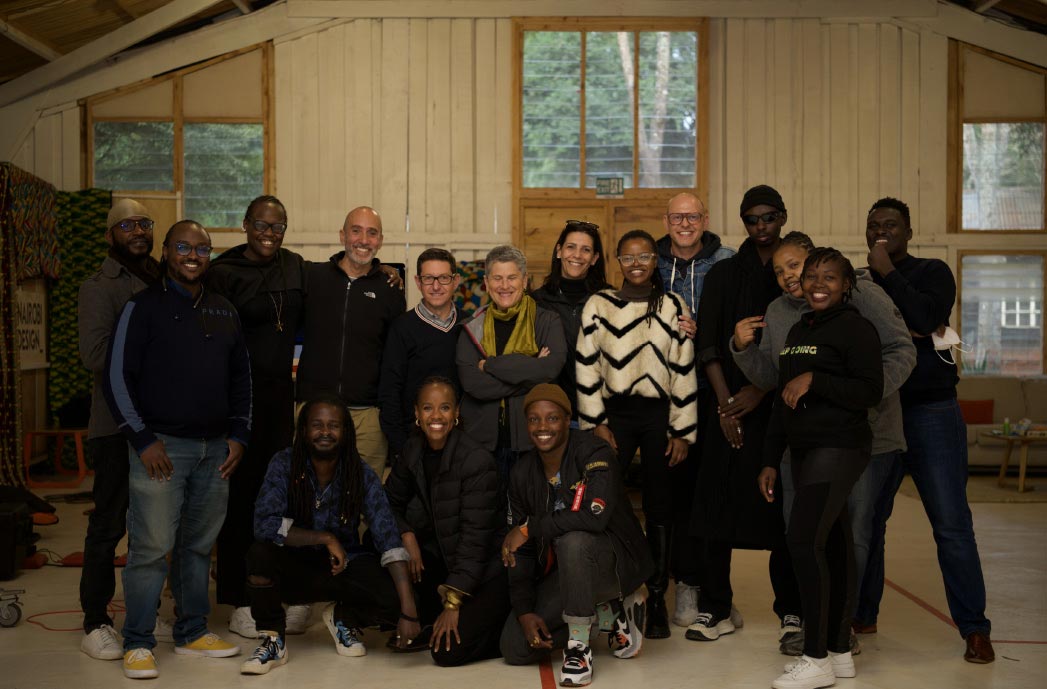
52	150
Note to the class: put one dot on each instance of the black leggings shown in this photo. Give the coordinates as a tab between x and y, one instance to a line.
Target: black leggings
821	545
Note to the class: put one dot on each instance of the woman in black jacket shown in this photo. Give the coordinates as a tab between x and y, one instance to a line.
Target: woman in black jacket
444	494
830	374
576	272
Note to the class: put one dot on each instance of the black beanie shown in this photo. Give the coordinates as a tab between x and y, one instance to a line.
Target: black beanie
762	195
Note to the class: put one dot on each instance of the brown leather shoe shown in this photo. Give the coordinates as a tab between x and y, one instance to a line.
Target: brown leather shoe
860	628
979	649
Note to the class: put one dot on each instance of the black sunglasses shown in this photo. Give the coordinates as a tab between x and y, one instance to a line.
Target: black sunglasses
766	218
583	225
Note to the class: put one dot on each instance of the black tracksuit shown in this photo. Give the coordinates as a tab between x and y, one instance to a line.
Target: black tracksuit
829	437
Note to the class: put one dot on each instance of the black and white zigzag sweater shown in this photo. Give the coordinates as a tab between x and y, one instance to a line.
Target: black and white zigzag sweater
620	352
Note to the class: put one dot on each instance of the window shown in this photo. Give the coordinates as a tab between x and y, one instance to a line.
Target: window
1002	313
190	144
611	103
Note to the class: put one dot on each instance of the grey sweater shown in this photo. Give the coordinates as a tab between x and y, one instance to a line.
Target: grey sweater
760	364
102	298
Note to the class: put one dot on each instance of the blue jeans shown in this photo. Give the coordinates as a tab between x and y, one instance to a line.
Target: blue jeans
868	523
182	516
937	460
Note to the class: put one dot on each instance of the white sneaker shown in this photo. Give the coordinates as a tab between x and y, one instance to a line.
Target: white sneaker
577	668
102	644
807	673
269	654
736	618
842	665
296	619
686	612
241	622
348	641
163	631
626	639
708	628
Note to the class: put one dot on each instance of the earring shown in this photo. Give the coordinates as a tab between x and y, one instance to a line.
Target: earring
456	420
416	422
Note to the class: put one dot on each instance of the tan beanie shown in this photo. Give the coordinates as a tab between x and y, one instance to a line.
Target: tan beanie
548	392
124	209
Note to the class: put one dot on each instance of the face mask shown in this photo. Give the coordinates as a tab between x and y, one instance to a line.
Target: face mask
946	339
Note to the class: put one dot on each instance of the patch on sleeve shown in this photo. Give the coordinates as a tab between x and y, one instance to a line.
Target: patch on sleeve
596	465
597	506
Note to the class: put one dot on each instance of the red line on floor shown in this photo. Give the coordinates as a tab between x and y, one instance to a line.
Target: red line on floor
941	615
545	669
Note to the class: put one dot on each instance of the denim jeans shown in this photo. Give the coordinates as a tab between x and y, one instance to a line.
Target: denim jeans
866	521
937	460
182	516
105	528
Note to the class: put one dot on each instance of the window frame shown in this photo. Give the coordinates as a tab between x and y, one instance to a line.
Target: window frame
962	253
957	51
179	120
699	25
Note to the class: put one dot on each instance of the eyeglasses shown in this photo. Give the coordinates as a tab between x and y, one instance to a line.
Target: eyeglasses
630	259
583	225
262	226
185	248
128	226
765	218
430	279
678	218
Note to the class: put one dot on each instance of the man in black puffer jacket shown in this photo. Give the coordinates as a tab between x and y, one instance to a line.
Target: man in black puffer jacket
575	552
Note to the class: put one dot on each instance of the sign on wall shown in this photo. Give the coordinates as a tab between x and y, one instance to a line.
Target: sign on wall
31	324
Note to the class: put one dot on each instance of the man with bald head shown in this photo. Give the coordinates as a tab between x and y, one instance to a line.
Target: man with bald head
127	269
689	249
178	383
348	310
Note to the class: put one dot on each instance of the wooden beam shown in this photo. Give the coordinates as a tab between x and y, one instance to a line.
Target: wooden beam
28	42
243	5
101	48
984	5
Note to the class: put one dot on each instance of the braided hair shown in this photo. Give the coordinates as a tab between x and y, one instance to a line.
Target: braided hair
654	301
302	494
827	254
797	239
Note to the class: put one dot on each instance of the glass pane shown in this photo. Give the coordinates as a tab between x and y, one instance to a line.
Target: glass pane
552	108
609	106
1002	315
134	156
1003	176
668	108
223	171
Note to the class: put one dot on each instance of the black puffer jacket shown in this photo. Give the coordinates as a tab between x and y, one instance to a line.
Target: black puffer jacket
605	509
462	509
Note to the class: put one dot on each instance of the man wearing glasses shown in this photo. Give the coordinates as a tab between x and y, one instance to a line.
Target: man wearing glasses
349	308
127	270
178	383
421	343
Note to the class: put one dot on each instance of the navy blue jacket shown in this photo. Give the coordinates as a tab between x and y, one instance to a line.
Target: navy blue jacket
179	366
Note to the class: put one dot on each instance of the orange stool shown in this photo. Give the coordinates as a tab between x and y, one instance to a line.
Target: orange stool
60	434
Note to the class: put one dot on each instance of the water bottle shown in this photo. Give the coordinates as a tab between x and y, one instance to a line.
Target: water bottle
1006	425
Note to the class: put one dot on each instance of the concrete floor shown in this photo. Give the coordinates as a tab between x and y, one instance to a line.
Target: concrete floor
915	647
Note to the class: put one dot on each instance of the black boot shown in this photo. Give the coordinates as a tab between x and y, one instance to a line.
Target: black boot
658	540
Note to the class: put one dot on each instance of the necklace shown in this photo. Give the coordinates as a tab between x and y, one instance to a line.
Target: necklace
279	310
320	498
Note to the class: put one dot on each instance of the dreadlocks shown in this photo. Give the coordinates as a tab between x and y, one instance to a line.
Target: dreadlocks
302	494
827	254
654	301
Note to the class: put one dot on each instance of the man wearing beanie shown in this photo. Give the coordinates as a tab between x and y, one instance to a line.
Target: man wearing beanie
727	512
575	551
128	269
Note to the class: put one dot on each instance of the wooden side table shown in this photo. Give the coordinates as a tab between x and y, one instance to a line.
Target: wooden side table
1023	443
60	434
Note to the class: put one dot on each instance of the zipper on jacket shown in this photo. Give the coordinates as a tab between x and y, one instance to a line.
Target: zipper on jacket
341	351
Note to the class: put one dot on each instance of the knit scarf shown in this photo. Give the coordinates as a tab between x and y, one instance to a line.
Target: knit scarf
521	341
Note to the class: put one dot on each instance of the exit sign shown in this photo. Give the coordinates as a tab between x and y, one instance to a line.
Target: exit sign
610	186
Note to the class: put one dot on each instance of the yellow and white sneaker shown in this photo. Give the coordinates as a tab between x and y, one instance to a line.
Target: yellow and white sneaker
210	645
139	663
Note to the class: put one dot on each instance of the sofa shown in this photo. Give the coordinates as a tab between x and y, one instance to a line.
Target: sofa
1011	398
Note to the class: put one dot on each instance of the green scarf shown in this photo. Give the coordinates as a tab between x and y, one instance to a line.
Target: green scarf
521	341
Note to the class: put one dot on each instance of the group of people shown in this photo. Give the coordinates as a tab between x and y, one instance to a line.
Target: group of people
774	396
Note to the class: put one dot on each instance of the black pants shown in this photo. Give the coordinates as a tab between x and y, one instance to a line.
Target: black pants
717	596
821	544
364	593
641	423
480	618
105	528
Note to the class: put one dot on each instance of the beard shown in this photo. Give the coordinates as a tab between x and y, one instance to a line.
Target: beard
325	454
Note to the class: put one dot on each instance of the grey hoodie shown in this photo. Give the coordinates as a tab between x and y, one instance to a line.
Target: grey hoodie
760	364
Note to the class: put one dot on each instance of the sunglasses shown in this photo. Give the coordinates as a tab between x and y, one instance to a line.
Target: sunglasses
583	225
260	226
128	226
765	218
185	248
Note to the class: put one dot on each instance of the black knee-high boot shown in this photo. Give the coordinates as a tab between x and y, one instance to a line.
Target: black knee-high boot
659	538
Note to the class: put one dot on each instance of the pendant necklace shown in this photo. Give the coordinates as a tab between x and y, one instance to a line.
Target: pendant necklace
320	498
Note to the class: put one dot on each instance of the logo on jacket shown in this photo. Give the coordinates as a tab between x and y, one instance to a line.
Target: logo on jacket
370	294
597	506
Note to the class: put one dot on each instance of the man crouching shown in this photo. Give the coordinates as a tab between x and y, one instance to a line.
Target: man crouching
575	553
307	518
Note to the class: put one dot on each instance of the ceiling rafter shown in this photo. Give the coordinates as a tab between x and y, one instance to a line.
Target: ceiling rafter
243	5
28	41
